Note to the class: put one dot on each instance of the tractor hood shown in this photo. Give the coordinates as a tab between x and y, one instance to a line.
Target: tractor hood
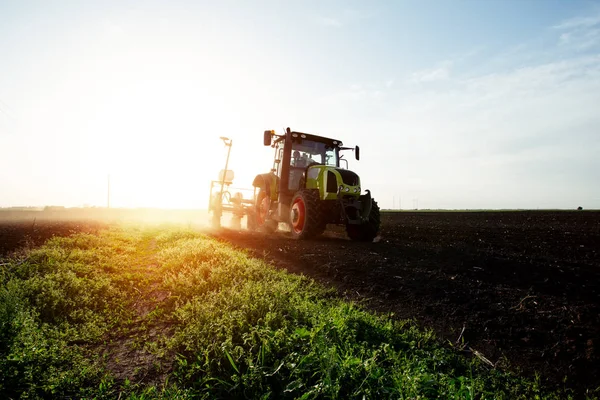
330	179
348	177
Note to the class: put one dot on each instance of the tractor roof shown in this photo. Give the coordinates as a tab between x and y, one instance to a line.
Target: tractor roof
317	138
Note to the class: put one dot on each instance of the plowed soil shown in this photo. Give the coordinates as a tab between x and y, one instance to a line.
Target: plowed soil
17	234
522	287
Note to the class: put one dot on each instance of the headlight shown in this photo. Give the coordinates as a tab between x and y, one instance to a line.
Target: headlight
347	189
355	190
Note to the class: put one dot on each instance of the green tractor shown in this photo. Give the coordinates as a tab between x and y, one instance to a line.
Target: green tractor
308	189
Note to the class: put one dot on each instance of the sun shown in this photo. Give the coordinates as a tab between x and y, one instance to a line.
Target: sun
153	124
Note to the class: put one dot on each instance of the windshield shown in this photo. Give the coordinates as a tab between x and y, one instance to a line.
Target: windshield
309	152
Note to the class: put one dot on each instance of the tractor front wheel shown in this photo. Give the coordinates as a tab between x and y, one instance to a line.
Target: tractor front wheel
368	230
306	219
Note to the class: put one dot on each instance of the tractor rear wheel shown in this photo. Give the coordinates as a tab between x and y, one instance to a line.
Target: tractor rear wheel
261	217
367	231
306	214
251	220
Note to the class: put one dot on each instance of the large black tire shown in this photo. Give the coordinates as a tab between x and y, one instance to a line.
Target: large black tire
262	222
368	231
306	214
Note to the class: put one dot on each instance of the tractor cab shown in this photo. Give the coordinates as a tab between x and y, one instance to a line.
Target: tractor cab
296	152
311	152
305	151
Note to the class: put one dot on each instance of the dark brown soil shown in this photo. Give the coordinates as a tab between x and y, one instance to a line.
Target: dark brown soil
525	286
16	234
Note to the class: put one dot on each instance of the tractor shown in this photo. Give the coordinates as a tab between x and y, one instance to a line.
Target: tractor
311	186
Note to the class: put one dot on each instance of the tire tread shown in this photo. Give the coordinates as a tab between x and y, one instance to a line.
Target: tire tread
313	224
369	230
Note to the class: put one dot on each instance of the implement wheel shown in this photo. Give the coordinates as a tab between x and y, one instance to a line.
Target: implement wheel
306	214
367	231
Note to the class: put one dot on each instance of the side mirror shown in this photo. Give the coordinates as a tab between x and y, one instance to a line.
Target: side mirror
357	152
267	138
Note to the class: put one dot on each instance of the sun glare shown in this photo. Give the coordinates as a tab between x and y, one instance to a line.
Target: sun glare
154	127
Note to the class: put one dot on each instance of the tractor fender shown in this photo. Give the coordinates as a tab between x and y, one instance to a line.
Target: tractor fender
367	203
267	181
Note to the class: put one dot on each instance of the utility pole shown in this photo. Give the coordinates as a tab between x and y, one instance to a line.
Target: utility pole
108	192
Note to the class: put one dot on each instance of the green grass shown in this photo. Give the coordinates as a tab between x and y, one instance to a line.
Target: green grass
170	313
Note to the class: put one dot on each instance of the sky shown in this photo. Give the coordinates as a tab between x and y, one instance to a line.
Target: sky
456	104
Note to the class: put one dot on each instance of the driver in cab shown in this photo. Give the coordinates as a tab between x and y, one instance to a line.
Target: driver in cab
299	161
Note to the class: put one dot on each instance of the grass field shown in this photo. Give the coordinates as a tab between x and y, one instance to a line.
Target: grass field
168	312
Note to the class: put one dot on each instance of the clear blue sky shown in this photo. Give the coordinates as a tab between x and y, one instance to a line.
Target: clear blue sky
455	104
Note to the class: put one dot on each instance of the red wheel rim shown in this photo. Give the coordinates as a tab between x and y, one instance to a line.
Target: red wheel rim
263	209
298	215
